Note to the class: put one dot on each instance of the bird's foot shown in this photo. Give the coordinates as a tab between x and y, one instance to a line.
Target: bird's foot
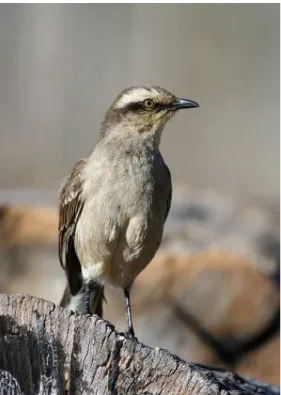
129	335
107	324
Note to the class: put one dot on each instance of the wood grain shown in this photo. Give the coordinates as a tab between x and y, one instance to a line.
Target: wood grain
45	349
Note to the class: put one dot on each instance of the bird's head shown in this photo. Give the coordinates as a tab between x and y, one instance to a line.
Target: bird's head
143	110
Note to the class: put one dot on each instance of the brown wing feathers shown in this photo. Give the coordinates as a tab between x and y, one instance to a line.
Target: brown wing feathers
169	200
70	209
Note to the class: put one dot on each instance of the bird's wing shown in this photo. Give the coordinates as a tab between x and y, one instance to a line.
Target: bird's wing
169	198
70	207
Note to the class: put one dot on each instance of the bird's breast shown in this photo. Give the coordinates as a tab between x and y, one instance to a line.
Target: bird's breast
121	226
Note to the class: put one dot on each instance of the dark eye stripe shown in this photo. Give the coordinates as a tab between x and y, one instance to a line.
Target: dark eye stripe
138	107
161	106
134	107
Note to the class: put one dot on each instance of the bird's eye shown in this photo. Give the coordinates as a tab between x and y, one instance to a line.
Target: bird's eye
148	104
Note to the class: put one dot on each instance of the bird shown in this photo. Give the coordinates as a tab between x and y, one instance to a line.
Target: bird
114	204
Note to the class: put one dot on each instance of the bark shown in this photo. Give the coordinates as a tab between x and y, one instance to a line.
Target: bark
45	349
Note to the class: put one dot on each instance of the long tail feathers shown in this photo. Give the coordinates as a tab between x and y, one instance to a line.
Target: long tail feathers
77	302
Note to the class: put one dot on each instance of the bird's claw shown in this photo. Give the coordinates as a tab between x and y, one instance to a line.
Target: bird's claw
129	335
108	324
88	313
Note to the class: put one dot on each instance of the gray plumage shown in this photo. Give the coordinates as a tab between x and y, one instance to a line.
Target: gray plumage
114	204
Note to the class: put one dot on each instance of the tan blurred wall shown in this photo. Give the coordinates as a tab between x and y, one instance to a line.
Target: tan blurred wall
62	64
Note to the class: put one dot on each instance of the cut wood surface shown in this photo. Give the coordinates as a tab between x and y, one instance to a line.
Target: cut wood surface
45	349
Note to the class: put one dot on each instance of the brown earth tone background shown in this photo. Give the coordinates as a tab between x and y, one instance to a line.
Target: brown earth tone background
211	295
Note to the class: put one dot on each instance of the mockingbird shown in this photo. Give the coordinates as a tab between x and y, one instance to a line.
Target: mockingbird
114	204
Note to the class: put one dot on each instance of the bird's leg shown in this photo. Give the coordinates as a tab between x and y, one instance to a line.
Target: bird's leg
88	298
131	332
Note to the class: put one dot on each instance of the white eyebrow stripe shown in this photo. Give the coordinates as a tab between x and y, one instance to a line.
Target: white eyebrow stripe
133	97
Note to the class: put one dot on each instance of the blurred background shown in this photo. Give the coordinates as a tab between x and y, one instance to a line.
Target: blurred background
212	293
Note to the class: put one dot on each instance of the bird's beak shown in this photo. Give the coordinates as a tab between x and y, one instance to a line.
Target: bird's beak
183	103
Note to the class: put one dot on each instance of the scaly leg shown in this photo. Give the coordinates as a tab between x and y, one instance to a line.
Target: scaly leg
131	331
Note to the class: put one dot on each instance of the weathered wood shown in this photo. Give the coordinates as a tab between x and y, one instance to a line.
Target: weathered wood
42	346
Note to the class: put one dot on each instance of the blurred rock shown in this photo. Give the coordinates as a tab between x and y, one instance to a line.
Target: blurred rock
27	225
264	362
208	219
229	297
212	286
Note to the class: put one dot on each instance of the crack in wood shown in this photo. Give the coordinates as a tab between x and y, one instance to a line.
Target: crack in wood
114	367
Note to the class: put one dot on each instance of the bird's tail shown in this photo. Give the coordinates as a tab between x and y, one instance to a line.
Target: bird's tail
78	302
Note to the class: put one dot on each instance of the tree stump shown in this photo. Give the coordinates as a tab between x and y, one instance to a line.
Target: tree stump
45	349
